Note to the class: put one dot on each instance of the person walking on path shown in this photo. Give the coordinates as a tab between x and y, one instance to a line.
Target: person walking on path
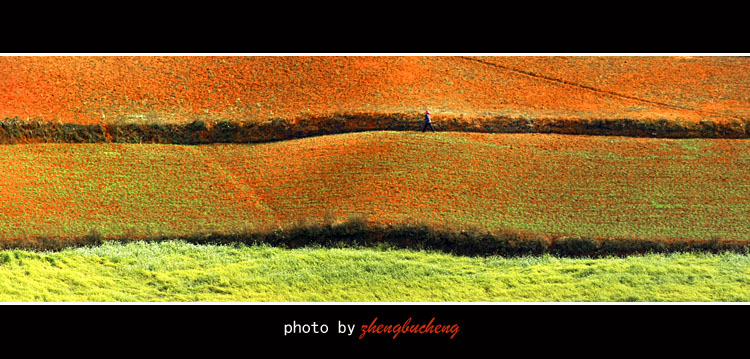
427	122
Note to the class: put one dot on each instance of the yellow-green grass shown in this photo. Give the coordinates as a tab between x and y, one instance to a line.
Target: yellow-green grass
177	271
557	184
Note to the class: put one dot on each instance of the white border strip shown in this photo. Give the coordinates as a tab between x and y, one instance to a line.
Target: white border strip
449	54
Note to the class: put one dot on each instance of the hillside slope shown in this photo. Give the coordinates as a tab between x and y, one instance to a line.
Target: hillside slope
598	186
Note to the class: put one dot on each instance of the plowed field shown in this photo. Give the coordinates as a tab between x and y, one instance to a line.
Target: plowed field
177	89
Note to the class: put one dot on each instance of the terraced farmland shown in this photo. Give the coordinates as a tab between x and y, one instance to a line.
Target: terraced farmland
566	151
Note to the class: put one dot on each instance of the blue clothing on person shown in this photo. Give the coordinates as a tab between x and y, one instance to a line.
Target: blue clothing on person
427	122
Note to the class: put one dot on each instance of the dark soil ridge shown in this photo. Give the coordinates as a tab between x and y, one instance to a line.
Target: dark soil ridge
359	233
14	130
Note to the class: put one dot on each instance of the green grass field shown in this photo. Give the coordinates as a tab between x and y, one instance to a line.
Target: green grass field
176	271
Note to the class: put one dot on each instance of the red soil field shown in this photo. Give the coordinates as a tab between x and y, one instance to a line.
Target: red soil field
86	89
553	184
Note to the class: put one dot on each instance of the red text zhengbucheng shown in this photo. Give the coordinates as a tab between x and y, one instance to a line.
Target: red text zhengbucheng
408	327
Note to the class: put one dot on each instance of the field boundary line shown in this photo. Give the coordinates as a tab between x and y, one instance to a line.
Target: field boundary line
594	89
